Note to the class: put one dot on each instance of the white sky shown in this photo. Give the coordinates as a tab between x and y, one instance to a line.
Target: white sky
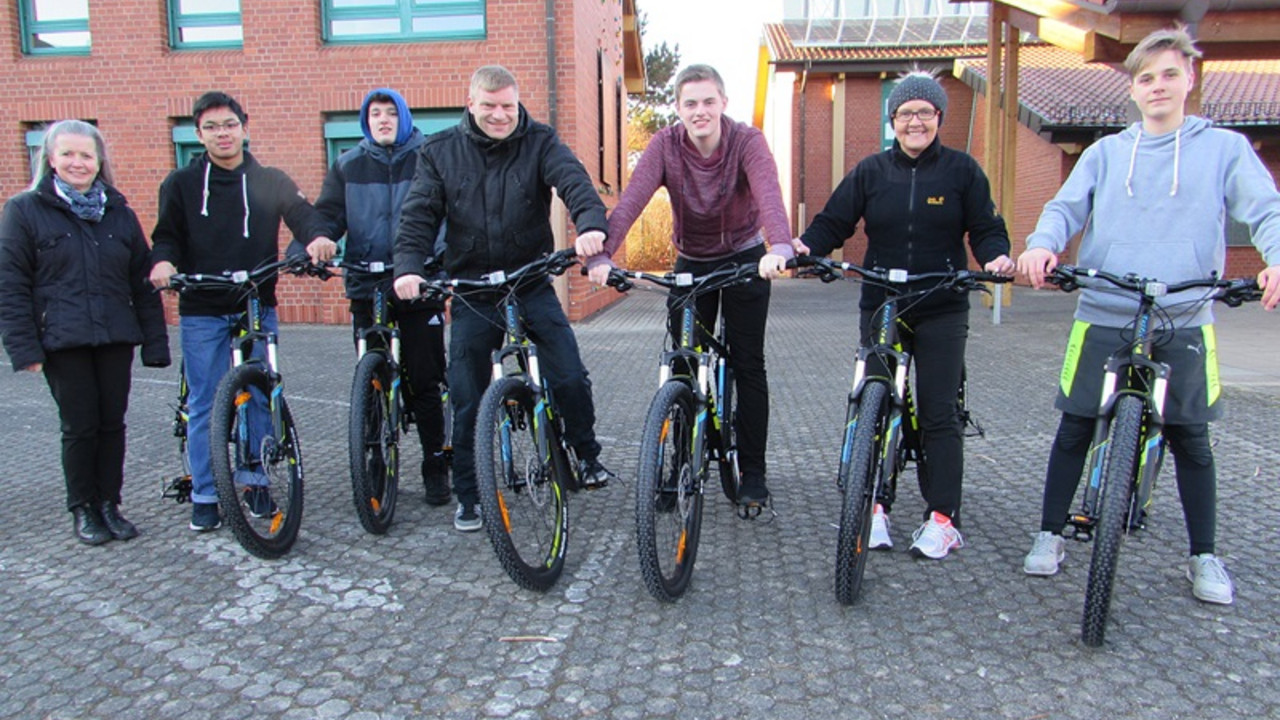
722	33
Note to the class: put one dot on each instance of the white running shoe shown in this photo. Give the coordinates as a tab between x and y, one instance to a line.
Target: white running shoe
1046	554
1209	579
880	539
935	538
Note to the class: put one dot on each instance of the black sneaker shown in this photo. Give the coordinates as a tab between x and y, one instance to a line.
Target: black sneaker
258	499
592	475
204	517
435	479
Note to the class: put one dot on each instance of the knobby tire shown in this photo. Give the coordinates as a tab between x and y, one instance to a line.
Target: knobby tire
857	477
373	444
668	495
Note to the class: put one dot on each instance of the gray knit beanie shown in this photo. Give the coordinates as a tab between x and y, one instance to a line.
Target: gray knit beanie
918	85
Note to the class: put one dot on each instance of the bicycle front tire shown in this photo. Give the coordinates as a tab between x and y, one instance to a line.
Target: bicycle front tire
521	485
859	463
668	494
1117	487
730	477
244	466
373	444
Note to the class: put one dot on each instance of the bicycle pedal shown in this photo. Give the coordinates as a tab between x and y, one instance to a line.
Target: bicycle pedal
178	489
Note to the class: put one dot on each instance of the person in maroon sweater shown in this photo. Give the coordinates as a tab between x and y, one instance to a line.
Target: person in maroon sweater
726	207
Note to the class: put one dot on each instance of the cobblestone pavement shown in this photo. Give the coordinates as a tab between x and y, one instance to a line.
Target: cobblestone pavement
420	622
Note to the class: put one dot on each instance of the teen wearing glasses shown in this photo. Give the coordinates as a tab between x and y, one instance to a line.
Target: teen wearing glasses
917	201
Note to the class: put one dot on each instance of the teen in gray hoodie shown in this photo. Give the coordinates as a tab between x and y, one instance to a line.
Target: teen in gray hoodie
1152	201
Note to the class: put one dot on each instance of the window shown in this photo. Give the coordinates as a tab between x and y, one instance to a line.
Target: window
348	21
205	24
342	130
54	27
34	139
185	143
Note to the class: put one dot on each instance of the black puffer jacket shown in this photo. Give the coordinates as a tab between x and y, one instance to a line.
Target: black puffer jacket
67	282
496	195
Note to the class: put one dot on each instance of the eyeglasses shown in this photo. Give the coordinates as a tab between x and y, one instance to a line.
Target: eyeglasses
925	115
213	128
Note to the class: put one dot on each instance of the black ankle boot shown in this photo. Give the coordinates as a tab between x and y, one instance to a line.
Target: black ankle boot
119	528
89	527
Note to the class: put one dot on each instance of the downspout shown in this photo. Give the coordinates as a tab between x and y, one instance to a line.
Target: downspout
551	63
802	221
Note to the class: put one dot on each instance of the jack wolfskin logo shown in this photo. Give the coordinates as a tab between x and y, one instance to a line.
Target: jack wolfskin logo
937	200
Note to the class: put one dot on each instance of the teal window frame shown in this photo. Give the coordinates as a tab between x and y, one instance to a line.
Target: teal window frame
34	139
180	21
407	13
342	130
31	28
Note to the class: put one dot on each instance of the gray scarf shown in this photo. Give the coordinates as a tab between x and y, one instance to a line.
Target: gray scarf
89	206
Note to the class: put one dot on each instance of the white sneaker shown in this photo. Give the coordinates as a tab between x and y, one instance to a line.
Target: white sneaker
880	539
1209	579
935	538
467	518
1046	554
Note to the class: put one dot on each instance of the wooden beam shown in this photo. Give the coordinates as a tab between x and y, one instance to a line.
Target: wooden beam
1009	154
991	133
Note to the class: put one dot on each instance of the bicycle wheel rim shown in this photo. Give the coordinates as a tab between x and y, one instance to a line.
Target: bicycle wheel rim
521	486
668	495
249	460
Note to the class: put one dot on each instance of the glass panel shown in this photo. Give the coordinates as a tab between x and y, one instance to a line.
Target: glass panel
60	40
348	28
207	7
448	24
213	34
45	10
362	3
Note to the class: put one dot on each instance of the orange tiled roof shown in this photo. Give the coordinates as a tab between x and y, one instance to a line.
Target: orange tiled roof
1059	89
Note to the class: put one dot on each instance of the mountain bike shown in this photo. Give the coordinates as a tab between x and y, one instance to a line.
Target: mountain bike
379	413
689	425
256	461
881	430
178	488
1127	449
523	465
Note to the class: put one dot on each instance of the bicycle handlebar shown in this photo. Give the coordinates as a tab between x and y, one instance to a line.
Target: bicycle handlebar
297	265
554	264
959	280
719	279
1233	292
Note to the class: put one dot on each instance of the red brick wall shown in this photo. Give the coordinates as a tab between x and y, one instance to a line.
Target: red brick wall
134	86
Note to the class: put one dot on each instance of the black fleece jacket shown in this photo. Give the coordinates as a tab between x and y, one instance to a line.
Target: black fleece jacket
916	213
213	234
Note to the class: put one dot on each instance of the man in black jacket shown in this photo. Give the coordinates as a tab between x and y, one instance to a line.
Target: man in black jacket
222	213
362	197
491	178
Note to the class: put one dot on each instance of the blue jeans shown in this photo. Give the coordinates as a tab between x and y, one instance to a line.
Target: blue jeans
206	353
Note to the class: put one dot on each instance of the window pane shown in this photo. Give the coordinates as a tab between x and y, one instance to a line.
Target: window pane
347	28
60	40
45	10
448	24
207	7
213	34
363	3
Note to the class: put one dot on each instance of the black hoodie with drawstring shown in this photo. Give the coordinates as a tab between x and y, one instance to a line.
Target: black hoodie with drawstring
214	220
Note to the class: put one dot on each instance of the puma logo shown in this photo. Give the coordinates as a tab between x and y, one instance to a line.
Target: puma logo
939	200
1196	348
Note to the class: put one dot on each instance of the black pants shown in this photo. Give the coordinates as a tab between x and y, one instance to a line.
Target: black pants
91	388
477	331
745	311
937	346
1193	465
422	361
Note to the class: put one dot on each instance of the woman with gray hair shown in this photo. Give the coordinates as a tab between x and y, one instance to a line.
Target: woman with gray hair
74	301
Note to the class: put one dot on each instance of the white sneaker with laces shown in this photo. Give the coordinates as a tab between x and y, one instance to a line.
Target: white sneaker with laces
880	539
1046	554
935	538
1209	579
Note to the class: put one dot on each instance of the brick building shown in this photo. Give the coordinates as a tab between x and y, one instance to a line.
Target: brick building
301	69
832	76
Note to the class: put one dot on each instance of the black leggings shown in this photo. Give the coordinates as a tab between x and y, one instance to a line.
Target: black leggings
1193	465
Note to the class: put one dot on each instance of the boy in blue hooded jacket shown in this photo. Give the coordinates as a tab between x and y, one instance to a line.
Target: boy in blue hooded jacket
1151	201
362	196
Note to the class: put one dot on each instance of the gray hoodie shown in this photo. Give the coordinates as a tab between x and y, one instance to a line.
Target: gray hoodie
1155	205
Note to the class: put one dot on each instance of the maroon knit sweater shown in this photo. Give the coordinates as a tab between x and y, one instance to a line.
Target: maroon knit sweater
719	204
